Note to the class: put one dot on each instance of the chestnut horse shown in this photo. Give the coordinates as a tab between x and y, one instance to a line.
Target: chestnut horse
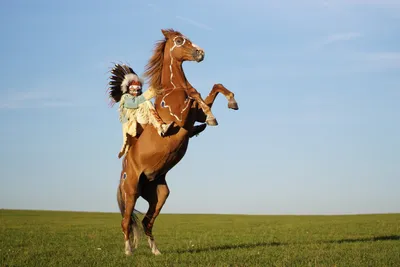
148	161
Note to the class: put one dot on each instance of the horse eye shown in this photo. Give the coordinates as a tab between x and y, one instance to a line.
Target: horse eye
179	41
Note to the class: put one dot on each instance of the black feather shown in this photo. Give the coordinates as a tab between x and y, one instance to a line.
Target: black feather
118	73
117	77
127	69
117	80
114	83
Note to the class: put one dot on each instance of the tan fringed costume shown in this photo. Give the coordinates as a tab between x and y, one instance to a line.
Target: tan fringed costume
144	114
135	108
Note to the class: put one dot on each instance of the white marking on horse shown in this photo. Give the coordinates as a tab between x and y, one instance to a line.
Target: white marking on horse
187	105
196	46
170	65
171	76
128	250
153	246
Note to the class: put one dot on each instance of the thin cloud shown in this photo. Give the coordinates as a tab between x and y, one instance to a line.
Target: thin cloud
155	8
58	104
384	59
358	3
17	99
392	56
195	23
385	3
341	37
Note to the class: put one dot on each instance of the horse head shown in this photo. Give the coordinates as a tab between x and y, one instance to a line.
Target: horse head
181	48
165	73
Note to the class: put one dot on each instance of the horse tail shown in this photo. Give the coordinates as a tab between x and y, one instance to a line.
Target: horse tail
134	222
135	230
121	203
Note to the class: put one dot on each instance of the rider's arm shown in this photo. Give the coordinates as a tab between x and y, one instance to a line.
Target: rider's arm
149	93
134	102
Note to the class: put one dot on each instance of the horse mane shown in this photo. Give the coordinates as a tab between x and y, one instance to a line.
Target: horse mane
153	69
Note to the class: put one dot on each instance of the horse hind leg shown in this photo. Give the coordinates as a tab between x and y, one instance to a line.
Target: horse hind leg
126	201
155	193
128	224
121	203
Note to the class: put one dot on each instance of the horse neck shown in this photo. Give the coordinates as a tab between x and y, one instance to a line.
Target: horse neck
173	75
174	83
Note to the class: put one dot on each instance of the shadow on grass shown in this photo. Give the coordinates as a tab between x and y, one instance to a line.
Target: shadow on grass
370	239
227	247
276	244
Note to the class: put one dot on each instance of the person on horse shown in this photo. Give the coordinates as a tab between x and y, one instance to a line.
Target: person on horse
135	108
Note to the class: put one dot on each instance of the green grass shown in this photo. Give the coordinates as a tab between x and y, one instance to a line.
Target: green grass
46	238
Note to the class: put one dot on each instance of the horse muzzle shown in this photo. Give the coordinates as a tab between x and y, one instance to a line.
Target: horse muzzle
198	55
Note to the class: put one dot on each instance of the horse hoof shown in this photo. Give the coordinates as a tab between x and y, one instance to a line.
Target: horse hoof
233	105
128	253
212	122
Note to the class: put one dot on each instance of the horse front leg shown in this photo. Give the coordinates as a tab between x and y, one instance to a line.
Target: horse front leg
218	88
210	118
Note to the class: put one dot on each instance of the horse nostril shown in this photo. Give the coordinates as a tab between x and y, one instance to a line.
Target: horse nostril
198	55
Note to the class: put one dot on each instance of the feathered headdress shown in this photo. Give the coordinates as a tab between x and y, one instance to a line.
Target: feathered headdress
121	77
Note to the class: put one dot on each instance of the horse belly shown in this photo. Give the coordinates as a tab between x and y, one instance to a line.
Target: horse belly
165	159
175	156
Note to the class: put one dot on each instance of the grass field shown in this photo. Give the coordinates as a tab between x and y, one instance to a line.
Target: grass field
46	238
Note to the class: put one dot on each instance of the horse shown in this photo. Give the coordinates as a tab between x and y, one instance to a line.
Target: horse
147	162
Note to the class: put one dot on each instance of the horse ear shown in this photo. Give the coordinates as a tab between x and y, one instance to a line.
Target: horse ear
165	33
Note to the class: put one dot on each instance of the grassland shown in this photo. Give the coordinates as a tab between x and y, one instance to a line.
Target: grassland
46	238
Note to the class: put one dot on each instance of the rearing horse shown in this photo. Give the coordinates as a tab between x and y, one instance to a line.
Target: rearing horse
151	157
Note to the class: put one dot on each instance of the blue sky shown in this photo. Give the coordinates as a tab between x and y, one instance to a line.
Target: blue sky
318	85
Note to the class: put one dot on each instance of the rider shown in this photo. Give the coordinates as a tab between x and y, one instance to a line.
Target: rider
135	108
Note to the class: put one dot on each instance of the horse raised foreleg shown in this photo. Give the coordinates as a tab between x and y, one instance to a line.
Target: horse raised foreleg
156	193
218	88
210	118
